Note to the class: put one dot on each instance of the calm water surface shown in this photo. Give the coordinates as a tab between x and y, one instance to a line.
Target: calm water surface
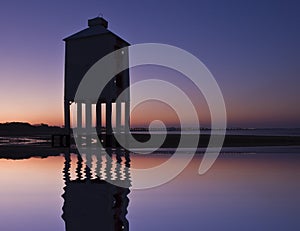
242	191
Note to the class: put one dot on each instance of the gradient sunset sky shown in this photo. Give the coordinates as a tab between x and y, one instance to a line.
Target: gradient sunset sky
251	47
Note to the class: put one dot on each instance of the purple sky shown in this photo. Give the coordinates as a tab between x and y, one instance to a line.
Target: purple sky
251	47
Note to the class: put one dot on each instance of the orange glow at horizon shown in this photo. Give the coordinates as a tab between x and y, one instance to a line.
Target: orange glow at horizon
146	112
52	118
37	110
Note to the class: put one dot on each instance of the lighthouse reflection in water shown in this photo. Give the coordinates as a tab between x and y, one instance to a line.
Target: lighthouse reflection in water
90	202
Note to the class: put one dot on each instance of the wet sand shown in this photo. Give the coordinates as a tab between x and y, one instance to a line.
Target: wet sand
172	140
44	149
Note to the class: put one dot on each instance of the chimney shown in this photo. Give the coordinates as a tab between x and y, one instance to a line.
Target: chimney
97	22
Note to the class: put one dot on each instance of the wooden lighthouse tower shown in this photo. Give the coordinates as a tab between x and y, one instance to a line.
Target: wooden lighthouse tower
82	51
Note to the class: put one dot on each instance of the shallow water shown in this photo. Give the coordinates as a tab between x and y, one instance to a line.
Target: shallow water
242	191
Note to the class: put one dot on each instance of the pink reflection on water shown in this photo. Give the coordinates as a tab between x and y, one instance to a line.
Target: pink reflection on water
240	192
30	194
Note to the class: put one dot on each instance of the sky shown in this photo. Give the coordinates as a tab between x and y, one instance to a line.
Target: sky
252	49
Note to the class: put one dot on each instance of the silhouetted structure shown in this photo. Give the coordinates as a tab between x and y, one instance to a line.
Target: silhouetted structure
91	203
83	50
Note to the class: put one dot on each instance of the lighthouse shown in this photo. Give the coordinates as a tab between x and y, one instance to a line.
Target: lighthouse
82	50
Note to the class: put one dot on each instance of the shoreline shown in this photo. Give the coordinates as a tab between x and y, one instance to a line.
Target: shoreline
169	141
231	144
